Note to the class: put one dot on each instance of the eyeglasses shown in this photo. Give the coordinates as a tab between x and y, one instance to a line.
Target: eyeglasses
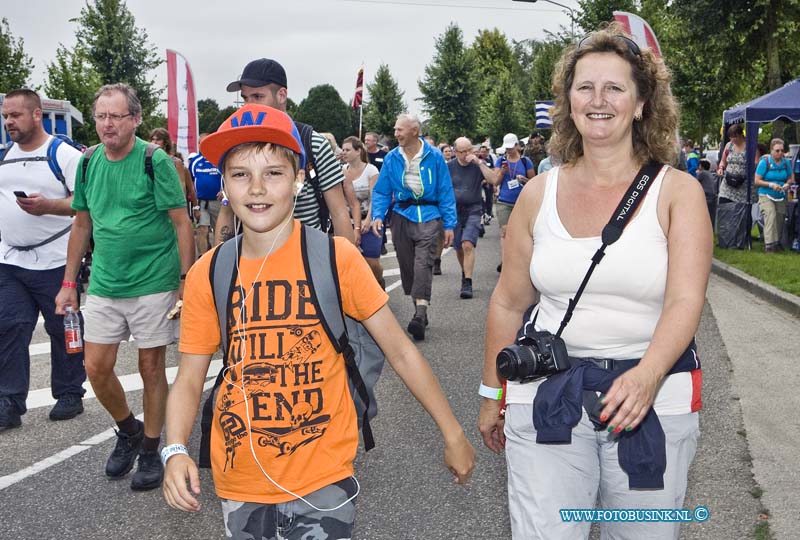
779	150
633	47
102	117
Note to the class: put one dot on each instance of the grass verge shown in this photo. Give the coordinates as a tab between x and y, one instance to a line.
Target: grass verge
781	270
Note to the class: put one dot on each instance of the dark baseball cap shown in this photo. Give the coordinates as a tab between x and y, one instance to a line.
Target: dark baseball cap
260	72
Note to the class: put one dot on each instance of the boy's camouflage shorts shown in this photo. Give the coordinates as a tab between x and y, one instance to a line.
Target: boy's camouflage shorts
296	519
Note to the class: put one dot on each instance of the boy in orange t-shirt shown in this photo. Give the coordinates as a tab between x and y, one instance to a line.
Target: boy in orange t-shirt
285	432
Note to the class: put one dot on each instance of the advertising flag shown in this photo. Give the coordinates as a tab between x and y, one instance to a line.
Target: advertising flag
359	95
181	104
637	27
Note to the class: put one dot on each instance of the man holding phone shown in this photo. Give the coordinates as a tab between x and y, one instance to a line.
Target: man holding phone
35	217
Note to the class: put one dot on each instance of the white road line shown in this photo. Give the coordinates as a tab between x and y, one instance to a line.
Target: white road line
130	383
44	348
14	478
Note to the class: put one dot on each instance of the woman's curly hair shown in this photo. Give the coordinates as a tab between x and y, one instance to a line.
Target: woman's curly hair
654	135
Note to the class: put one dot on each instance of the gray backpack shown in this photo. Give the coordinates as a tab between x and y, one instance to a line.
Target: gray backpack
363	358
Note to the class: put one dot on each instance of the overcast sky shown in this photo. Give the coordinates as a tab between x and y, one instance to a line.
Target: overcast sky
317	41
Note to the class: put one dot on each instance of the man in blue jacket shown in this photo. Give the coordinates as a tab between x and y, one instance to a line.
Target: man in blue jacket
416	175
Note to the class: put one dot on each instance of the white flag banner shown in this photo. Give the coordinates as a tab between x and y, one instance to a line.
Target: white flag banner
543	120
641	32
181	104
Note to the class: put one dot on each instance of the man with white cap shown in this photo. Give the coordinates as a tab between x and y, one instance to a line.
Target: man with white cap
517	170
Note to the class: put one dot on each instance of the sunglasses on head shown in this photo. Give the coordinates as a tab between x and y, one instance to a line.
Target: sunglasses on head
633	47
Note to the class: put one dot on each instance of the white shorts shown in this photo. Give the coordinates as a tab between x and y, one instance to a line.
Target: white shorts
113	320
545	478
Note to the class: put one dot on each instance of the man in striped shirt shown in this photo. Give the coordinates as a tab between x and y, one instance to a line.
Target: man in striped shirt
263	81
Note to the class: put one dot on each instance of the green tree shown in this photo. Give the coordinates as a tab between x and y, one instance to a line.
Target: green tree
593	14
385	102
207	111
221	116
324	109
73	78
15	65
119	51
450	89
501	111
491	54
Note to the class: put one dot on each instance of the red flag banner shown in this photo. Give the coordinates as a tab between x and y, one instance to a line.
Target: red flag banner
181	104
359	95
637	27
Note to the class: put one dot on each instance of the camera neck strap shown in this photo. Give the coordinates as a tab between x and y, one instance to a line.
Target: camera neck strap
611	232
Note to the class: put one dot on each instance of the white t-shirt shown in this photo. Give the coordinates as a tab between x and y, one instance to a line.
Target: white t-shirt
18	228
361	187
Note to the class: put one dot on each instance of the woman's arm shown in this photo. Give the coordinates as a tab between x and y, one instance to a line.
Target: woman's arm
367	221
513	294
683	213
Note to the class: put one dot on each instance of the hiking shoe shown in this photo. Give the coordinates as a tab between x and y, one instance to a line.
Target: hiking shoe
466	288
124	455
150	472
67	407
417	327
437	267
9	415
500	267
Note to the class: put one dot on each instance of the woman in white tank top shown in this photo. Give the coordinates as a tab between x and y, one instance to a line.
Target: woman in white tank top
613	113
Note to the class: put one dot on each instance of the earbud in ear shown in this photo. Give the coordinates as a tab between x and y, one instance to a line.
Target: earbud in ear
225	200
298	187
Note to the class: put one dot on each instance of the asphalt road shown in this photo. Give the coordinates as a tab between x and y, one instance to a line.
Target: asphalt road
52	484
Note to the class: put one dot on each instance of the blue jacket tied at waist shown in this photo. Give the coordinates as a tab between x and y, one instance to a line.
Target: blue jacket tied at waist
557	409
437	199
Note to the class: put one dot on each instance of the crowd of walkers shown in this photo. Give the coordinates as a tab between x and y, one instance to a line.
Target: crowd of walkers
589	386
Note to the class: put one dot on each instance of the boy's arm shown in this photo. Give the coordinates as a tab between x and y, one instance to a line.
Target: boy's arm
413	369
182	405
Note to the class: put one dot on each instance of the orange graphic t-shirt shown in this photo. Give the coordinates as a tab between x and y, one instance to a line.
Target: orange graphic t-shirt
284	408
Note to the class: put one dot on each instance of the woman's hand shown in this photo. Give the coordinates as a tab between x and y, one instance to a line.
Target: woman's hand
490	424
630	397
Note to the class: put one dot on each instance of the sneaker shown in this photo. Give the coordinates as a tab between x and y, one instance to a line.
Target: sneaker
417	327
796	244
437	267
383	249
67	407
150	473
500	267
466	288
124	455
9	415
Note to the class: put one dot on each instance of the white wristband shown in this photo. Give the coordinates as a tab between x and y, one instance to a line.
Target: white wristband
169	451
490	393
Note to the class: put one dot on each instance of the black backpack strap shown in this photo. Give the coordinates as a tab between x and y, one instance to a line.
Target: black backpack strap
222	276
319	259
148	160
312	177
87	156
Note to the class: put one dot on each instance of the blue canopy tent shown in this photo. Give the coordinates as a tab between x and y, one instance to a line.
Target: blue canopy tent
780	104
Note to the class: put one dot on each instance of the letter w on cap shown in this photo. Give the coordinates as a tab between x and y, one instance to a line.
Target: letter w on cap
247	119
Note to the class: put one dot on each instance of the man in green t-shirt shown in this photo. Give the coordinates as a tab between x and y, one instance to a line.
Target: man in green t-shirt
143	247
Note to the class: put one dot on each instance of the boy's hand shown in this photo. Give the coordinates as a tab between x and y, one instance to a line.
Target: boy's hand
459	456
180	469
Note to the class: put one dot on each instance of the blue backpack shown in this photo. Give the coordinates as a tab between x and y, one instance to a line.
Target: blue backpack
50	157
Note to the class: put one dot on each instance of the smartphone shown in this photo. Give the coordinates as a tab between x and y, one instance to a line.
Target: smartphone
21	194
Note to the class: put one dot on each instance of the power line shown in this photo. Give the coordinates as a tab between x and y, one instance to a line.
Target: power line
459	6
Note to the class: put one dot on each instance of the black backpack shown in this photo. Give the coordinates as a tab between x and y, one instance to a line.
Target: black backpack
312	177
363	358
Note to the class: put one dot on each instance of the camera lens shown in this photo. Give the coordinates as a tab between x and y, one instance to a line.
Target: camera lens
515	361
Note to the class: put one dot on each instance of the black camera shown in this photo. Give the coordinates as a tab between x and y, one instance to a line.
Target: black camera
533	356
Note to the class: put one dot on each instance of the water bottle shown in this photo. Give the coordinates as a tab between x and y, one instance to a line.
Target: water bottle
72	331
